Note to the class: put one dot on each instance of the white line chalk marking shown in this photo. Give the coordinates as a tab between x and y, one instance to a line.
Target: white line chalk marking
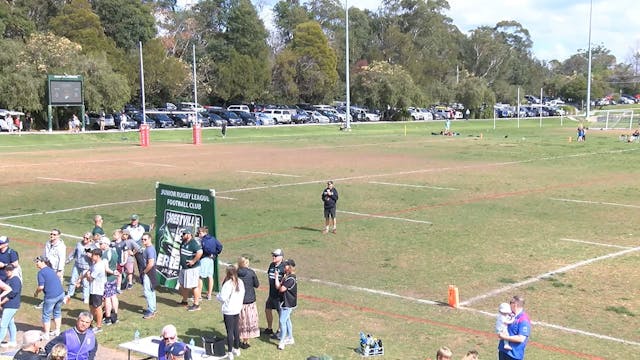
597	203
384	217
597	243
547	274
410	185
150	164
76	208
67	180
267	173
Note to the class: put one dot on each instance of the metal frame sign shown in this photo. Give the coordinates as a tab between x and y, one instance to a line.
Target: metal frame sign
65	90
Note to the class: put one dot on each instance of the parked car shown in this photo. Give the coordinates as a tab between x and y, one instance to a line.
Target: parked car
128	122
248	118
279	116
232	118
215	119
415	113
180	119
94	121
6	120
264	119
137	117
161	120
234	108
299	116
426	113
319	118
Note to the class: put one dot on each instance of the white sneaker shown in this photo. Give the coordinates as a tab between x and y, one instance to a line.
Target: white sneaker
281	346
289	341
235	352
9	344
230	356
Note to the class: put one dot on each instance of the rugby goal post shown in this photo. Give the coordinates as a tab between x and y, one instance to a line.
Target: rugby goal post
614	119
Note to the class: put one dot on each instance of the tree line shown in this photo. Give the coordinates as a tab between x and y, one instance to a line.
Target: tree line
406	53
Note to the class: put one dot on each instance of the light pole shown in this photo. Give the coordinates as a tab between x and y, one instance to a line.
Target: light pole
589	64
346	62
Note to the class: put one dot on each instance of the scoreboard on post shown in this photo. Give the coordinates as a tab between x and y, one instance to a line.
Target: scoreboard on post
65	90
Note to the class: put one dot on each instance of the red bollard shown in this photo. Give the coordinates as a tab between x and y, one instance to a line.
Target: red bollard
144	135
197	134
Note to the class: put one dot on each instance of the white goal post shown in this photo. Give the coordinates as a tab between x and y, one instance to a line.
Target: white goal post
614	119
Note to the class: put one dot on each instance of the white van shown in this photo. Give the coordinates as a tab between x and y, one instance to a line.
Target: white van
244	108
280	116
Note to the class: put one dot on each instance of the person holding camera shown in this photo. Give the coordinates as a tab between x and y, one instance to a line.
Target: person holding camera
330	198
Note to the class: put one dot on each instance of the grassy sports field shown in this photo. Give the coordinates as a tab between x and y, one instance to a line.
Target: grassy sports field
496	212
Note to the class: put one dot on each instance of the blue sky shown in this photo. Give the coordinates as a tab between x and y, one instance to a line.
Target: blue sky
558	28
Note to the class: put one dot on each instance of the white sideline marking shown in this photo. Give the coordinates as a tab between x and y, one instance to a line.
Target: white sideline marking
384	217
547	274
410	185
597	243
38	230
76	208
267	173
597	203
225	197
150	164
67	180
561	328
431	302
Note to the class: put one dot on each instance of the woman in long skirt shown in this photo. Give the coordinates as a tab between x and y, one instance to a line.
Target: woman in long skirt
249	328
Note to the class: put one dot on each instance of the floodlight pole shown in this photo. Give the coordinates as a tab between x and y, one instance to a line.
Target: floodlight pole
589	64
144	115
346	62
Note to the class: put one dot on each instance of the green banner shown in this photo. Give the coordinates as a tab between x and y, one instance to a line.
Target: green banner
177	209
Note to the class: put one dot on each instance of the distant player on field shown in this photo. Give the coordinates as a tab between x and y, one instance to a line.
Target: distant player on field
330	198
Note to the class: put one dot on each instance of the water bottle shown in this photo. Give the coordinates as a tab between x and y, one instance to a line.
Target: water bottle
136	336
192	343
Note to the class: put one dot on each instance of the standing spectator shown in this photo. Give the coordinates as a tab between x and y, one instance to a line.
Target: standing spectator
249	315
136	229
18	124
466	114
97	227
517	333
223	129
97	277
80	340
330	198
130	252
169	336
30	346
76	123
28	125
211	248
123	255
276	269
149	279
231	296
56	252
85	120
110	297
10	304
7	256
123	121
49	283
288	289
82	261
102	120
189	276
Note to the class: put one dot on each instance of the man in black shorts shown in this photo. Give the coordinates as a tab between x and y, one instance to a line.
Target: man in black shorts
273	301
330	198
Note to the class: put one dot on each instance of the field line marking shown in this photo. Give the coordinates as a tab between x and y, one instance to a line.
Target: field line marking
438	303
596	202
411	185
267	173
225	197
384	217
547	274
596	243
37	230
67	180
151	164
75	209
